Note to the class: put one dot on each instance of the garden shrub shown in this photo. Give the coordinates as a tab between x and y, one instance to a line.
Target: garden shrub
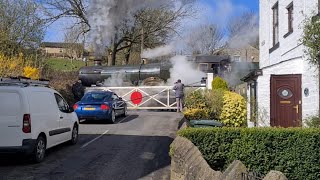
206	101
31	72
18	66
196	114
293	151
313	121
219	83
195	99
234	111
62	82
214	102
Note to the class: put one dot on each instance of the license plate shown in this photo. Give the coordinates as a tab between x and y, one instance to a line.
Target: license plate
89	108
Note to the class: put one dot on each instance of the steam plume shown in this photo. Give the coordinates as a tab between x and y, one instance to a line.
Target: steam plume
158	52
184	70
108	16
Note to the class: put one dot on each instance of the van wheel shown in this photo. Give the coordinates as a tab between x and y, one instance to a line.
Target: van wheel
39	150
74	135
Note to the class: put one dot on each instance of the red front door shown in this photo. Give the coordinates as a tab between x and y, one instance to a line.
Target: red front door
286	101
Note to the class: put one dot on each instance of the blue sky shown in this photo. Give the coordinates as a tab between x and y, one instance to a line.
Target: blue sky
213	11
251	4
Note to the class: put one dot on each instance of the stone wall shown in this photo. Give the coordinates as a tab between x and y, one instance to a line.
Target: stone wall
187	163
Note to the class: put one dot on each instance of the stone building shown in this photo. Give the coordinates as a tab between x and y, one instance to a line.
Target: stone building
244	54
65	50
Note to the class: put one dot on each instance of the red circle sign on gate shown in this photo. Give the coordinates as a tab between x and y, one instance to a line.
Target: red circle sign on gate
136	97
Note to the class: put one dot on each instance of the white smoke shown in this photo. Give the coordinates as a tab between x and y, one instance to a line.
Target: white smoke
247	35
184	70
181	69
108	16
116	80
158	52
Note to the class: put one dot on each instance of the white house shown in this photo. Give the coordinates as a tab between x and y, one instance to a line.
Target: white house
286	85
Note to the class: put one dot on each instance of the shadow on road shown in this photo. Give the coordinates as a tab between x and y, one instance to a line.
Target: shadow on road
128	118
109	157
118	120
24	160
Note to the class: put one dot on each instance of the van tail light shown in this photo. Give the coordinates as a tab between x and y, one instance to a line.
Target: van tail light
26	128
104	107
75	106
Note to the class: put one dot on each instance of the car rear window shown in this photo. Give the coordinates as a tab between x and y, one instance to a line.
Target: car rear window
96	97
10	104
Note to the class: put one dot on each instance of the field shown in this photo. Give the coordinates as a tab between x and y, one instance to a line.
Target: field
65	64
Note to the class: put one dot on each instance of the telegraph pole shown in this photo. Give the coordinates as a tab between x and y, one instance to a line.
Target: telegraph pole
142	40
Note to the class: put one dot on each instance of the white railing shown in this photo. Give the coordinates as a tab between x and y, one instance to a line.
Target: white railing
152	97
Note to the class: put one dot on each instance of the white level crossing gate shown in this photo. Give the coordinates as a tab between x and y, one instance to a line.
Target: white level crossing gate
145	97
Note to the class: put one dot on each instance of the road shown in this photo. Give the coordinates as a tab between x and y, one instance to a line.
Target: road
136	147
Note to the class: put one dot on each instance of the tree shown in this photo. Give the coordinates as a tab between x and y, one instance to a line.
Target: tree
244	30
74	9
204	39
311	40
21	28
128	23
152	27
74	49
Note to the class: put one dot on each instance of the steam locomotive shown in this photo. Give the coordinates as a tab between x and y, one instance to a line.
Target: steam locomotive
151	73
143	74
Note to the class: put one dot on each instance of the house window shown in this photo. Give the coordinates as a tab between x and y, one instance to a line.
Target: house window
236	58
203	67
275	10
290	17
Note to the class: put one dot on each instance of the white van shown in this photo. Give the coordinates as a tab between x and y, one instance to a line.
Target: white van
34	118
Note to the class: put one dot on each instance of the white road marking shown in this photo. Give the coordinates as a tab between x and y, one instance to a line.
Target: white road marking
86	144
124	119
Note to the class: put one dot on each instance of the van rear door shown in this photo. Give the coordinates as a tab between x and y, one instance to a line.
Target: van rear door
10	118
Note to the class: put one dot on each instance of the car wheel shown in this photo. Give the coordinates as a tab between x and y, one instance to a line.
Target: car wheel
74	135
125	112
39	150
113	117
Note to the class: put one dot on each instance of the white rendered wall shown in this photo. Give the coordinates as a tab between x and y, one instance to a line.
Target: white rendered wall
289	58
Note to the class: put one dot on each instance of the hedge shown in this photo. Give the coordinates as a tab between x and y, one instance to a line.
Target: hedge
293	151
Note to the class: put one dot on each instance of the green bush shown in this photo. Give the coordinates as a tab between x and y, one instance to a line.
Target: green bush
196	114
195	100
207	102
219	83
293	151
214	102
313	121
234	111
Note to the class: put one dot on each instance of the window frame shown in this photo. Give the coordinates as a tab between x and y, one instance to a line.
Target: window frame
275	24
206	64
239	58
66	105
290	9
114	95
